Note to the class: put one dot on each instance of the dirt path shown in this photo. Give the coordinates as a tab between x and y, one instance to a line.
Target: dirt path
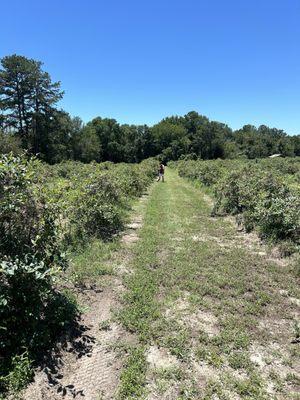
85	365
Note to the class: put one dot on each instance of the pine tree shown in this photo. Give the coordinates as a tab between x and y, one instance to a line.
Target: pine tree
27	95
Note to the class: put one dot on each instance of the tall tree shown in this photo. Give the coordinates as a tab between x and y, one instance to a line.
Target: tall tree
9	143
56	136
86	145
110	136
26	94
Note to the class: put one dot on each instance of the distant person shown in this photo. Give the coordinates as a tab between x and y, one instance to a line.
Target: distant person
161	172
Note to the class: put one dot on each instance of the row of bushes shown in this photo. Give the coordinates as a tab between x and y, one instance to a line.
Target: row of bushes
264	194
94	198
43	210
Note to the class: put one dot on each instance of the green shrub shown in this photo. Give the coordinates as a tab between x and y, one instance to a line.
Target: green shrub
278	217
207	173
19	376
32	312
263	193
94	198
263	200
27	223
100	209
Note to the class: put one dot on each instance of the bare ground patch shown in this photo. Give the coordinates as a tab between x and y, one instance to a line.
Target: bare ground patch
158	357
196	320
271	361
130	235
86	366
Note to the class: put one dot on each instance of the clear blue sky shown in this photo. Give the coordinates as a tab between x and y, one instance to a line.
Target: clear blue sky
236	61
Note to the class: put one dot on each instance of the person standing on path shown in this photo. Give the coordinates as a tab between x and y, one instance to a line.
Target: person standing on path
161	172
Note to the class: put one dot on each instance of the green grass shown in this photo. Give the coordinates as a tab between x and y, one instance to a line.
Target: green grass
181	256
92	261
133	375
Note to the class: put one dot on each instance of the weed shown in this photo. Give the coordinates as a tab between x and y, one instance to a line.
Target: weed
133	376
293	379
105	325
20	374
240	360
297	330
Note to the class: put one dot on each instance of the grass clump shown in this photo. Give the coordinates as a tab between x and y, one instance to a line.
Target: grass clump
133	376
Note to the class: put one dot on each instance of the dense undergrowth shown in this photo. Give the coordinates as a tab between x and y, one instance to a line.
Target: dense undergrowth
44	212
263	194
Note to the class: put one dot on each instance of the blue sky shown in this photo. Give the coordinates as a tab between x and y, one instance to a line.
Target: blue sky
236	61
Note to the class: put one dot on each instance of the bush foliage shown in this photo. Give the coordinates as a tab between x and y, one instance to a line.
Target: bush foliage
264	194
43	210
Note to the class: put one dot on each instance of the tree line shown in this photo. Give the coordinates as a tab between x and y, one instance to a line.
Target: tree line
30	120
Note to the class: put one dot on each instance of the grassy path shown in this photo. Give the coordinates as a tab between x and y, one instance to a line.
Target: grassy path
215	315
